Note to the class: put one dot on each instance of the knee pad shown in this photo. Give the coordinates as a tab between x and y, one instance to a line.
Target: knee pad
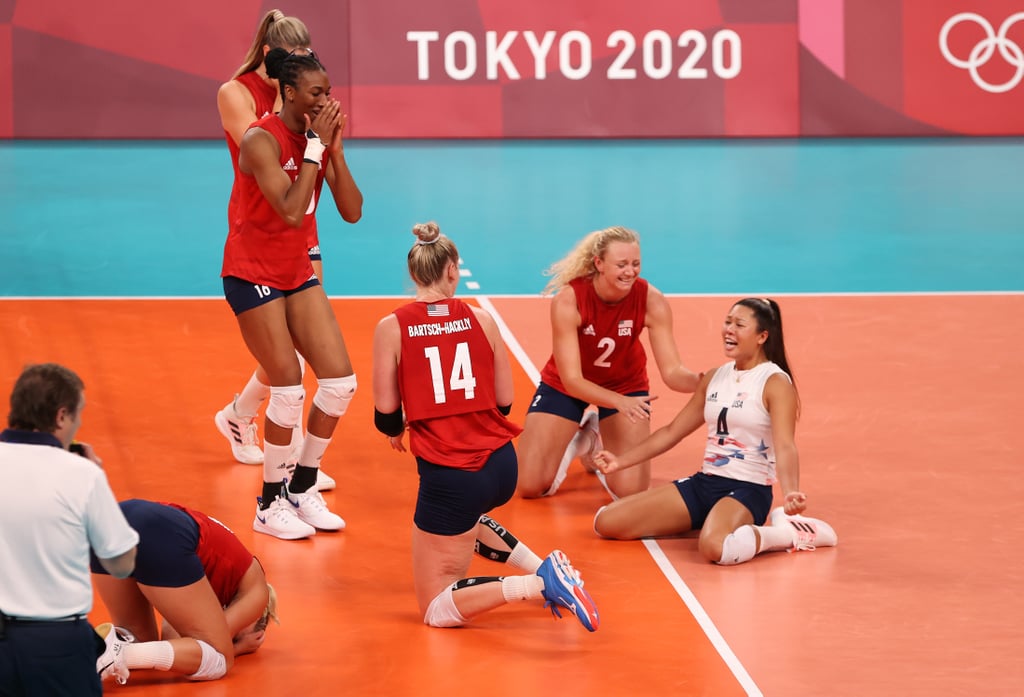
285	405
442	611
213	665
739	546
596	516
333	394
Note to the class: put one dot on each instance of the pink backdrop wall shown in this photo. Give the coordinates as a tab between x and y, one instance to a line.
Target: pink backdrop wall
533	68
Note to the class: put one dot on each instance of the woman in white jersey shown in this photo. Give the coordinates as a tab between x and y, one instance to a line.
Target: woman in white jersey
750	406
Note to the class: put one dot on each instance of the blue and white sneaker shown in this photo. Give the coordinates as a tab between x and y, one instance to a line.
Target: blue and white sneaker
311	509
563	586
281	520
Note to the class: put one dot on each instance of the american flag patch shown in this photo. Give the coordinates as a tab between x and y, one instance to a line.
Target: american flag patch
437	310
626	323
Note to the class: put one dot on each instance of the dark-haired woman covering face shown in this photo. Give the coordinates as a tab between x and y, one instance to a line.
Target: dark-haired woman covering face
750	407
252	94
278	301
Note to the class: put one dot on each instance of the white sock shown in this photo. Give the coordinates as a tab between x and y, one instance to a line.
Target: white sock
313	449
297	436
274	457
247	404
775	539
149	654
522	557
515	588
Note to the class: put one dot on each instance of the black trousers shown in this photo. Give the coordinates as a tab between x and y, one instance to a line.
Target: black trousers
40	659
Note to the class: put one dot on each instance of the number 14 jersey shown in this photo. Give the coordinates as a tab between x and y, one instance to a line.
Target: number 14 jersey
446	379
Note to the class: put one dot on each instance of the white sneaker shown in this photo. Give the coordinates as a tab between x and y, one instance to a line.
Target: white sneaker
280	520
112	663
585	440
808	533
311	508
241	434
324	482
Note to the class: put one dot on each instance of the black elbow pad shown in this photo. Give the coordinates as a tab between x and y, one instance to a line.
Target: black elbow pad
505	410
389	424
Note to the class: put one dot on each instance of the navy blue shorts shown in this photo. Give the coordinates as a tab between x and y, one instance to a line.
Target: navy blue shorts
702	491
451	501
245	295
548	400
168	540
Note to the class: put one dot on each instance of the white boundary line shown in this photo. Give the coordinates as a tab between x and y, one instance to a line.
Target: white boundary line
696	609
407	296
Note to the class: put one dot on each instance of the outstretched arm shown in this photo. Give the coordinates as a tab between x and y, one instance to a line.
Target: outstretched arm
663	344
688	420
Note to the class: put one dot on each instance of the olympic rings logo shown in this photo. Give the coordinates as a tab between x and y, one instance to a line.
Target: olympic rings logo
984	50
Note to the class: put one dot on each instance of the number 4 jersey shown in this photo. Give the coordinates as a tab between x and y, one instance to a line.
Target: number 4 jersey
446	378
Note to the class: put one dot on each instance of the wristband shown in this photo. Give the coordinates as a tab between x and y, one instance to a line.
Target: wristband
392	424
314	148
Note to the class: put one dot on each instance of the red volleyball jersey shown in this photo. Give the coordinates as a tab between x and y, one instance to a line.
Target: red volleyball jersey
611	354
446	379
263	248
225	559
265	96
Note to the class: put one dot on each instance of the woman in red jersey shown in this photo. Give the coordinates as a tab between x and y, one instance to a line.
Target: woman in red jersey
209	590
251	94
601	306
445	362
277	299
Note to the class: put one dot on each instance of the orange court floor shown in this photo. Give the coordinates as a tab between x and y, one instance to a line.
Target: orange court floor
907	448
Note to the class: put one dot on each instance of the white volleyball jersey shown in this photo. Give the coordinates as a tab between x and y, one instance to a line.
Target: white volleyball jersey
739	428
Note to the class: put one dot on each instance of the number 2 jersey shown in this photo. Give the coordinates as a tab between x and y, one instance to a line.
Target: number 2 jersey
446	379
611	354
263	248
739	444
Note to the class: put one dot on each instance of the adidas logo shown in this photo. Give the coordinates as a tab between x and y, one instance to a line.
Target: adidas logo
589	331
290	165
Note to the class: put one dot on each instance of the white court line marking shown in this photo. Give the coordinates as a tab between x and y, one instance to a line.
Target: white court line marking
653	548
220	298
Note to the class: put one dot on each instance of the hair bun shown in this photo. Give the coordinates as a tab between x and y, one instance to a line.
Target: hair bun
426	233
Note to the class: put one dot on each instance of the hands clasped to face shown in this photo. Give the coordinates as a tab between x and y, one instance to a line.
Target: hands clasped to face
328	123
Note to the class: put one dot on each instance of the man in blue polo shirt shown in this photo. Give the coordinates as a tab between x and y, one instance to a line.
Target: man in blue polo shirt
63	506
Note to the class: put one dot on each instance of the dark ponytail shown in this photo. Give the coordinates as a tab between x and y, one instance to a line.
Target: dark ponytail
769	319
